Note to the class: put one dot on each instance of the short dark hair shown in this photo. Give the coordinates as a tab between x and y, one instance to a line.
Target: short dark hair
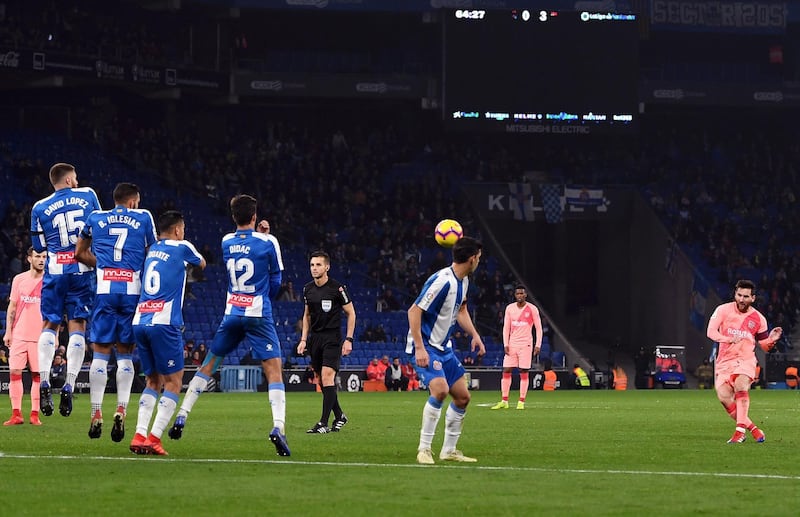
58	171
465	248
125	191
519	286
243	208
746	284
320	253
169	220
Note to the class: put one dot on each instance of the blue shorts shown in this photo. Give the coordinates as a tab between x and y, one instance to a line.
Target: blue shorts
112	318
160	348
70	294
257	334
440	364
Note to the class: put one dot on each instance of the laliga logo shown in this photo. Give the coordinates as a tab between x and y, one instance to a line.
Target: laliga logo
274	86
768	96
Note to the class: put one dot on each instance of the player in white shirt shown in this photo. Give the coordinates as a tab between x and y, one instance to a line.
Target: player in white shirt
440	305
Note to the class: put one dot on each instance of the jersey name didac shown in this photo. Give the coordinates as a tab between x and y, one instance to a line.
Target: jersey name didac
164	283
56	222
254	275
120	237
440	300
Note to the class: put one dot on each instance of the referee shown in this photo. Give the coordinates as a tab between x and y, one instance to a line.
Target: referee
325	299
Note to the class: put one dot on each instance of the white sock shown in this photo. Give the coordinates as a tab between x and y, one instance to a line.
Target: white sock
197	386
125	374
453	421
47	351
147	403
98	378
76	348
166	408
430	418
277	399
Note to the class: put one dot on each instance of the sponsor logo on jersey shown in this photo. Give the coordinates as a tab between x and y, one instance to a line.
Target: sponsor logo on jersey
151	306
65	257
241	300
117	275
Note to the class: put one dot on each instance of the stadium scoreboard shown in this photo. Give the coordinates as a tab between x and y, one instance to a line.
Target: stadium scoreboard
526	71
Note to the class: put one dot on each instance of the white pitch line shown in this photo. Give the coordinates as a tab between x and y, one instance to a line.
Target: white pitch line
411	466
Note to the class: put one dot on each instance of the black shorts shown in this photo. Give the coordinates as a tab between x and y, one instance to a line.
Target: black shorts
325	349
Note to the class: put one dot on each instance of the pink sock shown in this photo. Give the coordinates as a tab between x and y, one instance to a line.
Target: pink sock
742	408
523	386
505	384
35	384
15	391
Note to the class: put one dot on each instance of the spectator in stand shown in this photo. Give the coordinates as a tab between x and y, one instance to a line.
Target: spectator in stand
287	293
308	375
387	301
394	378
410	373
376	371
58	372
208	254
705	375
203	351
461	340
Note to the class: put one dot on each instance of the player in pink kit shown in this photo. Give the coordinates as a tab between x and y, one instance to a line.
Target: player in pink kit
520	317
737	327
23	327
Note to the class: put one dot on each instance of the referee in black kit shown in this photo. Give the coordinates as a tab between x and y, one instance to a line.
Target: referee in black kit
325	299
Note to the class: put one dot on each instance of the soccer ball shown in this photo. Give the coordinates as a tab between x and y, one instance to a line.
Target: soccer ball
448	231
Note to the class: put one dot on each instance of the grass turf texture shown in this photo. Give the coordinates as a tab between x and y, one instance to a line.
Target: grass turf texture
594	452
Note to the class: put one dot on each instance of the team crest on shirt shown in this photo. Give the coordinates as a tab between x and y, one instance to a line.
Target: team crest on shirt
751	325
429	297
437	365
327	305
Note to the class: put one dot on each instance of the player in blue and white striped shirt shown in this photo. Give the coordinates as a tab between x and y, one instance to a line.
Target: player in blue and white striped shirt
254	279
67	286
431	319
114	242
158	327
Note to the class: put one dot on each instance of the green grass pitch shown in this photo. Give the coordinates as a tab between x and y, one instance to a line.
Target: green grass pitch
568	453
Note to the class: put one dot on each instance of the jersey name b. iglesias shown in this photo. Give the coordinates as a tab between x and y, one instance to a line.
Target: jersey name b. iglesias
120	238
